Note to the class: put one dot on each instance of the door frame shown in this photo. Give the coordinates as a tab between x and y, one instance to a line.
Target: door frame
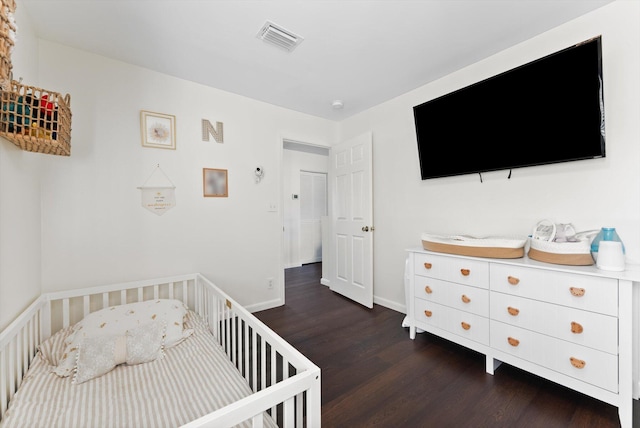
286	143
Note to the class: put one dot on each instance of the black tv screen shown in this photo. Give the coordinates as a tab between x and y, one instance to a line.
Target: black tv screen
547	111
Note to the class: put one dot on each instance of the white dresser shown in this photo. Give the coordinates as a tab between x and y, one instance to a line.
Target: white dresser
570	324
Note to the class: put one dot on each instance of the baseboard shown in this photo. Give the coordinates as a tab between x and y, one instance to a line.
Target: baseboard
263	306
292	265
390	304
377	300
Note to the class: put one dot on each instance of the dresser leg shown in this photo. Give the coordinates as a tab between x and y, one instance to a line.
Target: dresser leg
625	413
492	364
412	332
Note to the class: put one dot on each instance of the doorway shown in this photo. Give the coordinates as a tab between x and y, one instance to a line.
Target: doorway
313	207
303	165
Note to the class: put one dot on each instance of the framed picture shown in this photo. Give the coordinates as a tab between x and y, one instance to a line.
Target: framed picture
158	130
214	183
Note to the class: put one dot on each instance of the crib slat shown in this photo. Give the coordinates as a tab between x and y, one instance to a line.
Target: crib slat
123	297
300	413
288	414
225	328
156	292
45	321
274	368
263	364
29	348
234	338
254	358
140	294
86	307
257	421
105	300
16	366
4	387
65	313
246	355
19	353
212	311
288	407
171	285
12	368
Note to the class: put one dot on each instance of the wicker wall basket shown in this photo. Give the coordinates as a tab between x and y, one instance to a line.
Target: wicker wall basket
7	40
36	120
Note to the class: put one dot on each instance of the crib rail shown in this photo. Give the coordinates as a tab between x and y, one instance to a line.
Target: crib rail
18	346
270	365
285	383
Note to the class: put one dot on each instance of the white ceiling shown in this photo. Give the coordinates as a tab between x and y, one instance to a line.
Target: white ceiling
361	52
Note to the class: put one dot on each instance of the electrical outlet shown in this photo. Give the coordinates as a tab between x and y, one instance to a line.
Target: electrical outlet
270	283
272	207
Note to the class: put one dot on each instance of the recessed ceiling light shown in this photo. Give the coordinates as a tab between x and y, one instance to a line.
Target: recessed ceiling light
337	105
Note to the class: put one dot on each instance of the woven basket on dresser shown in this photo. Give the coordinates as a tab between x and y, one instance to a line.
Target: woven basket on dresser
35	119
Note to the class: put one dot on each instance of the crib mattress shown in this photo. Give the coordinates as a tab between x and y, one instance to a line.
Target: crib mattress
465	245
193	379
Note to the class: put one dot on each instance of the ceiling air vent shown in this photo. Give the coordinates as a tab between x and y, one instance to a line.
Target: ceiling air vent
279	37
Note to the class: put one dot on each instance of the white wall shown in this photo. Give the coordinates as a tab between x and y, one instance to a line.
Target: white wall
20	198
90	228
591	194
293	162
94	230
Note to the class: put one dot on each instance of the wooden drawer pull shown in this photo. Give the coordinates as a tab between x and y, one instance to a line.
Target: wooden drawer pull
576	327
578	292
465	299
428	313
465	272
512	341
513	280
513	311
465	325
579	364
428	290
428	265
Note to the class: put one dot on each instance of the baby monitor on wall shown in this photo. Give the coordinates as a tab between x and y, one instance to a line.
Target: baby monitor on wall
259	172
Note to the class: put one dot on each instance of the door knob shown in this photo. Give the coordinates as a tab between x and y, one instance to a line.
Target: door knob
365	228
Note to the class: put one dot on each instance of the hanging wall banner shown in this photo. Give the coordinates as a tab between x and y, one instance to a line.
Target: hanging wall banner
158	200
158	195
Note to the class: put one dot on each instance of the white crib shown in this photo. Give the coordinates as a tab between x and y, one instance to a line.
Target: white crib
284	382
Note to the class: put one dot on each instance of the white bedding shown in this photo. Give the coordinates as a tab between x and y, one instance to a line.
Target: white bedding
193	379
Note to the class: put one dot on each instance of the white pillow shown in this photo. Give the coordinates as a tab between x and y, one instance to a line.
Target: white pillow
116	320
101	354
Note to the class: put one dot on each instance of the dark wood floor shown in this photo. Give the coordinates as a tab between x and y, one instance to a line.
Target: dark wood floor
373	375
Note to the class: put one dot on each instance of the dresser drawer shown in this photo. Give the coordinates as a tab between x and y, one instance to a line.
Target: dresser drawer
464	324
586	292
462	271
462	297
585	328
592	366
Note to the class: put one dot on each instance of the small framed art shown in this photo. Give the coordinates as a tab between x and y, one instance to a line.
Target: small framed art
215	183
158	130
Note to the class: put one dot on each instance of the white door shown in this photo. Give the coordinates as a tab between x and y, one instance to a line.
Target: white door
351	213
313	206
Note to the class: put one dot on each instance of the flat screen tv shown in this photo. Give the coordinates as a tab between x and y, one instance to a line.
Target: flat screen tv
547	111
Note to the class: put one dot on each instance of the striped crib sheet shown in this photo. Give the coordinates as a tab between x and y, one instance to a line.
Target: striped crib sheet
193	379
